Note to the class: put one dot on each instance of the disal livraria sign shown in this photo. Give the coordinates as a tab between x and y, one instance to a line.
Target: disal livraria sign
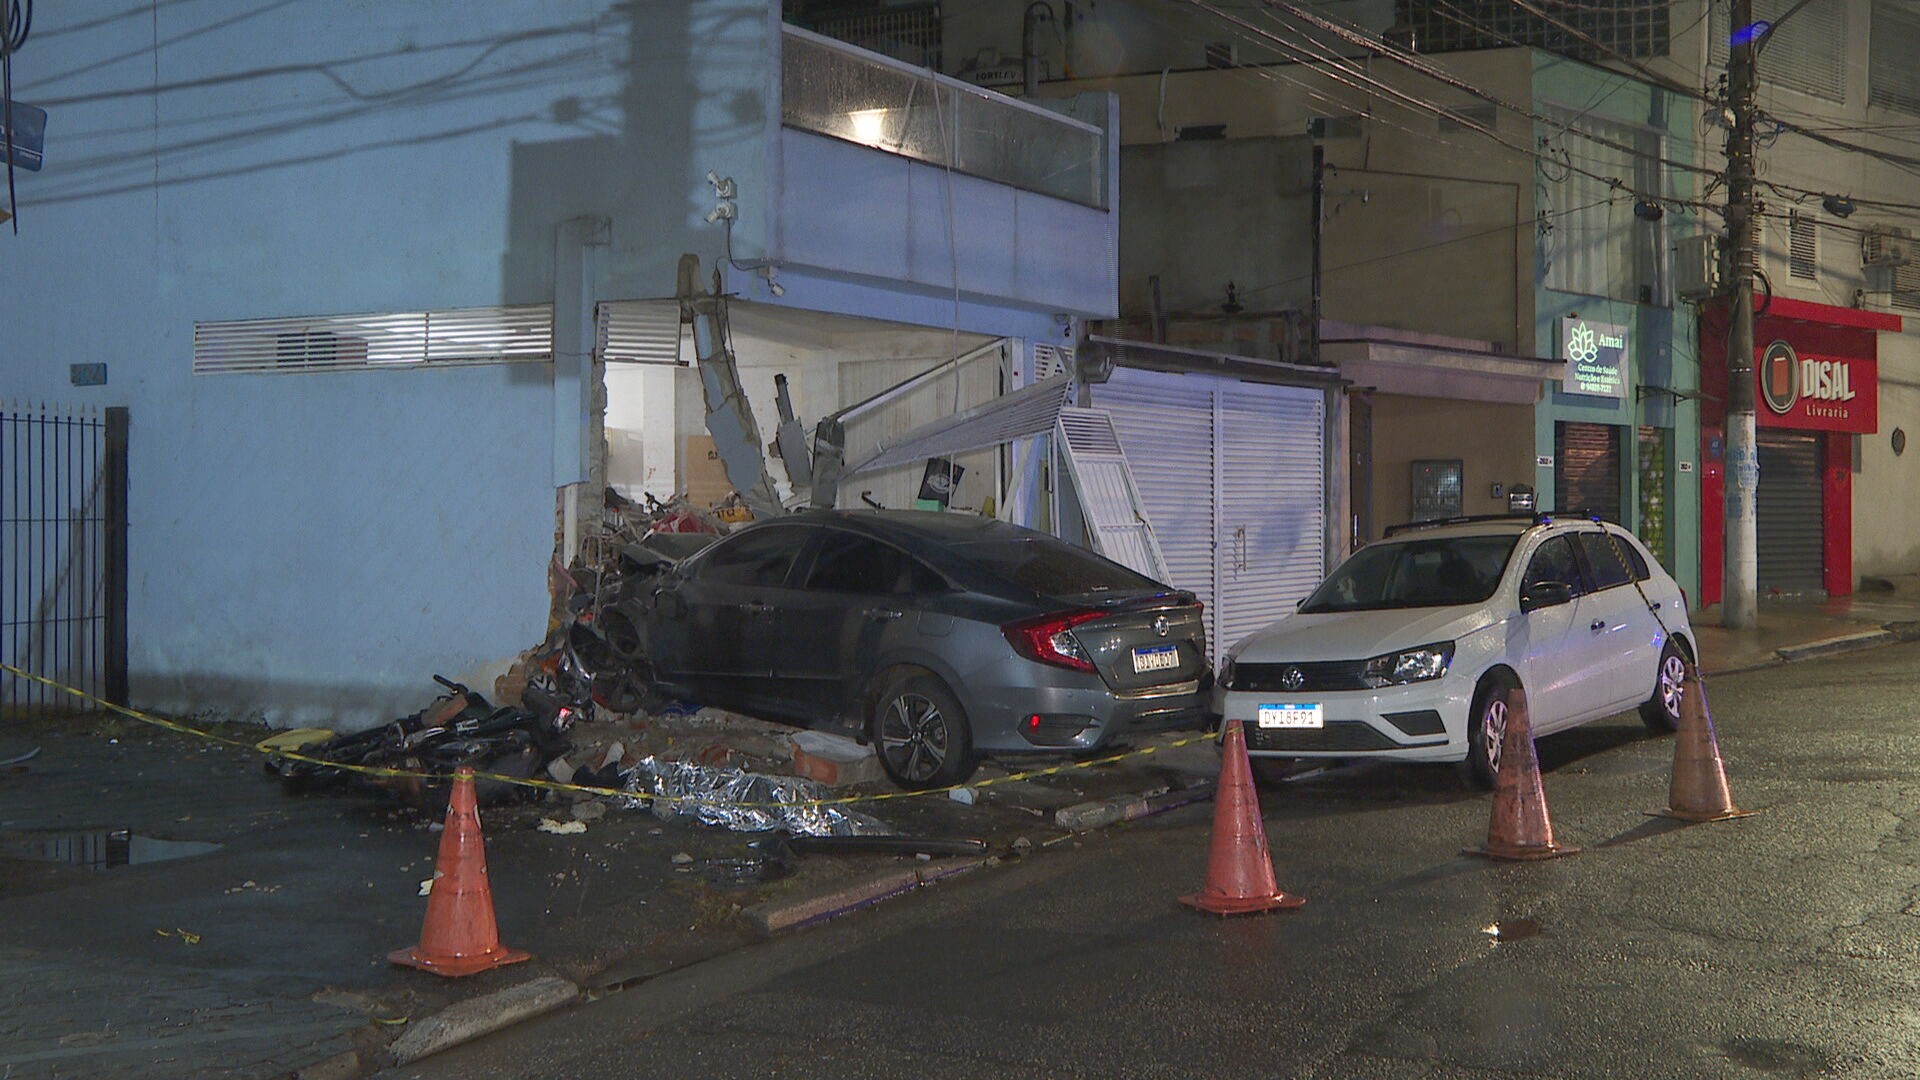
1596	356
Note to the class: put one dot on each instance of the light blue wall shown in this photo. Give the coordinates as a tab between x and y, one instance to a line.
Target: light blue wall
1664	339
313	547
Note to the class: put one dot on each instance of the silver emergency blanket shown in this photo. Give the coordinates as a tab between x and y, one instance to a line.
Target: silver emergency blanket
743	801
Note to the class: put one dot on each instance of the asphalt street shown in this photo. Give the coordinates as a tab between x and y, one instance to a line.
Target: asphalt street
1781	945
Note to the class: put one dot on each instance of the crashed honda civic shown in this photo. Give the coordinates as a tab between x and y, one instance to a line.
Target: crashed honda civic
938	637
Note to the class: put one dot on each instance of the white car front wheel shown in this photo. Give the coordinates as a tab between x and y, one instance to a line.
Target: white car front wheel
1487	728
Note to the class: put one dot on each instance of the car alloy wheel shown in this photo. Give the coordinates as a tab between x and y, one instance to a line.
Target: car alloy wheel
1493	722
1487	730
913	737
1661	711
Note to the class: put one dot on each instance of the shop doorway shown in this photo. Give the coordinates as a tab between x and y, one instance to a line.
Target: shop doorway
1791	533
1586	477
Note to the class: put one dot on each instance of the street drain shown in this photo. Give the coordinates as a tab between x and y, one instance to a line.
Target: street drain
105	849
1511	930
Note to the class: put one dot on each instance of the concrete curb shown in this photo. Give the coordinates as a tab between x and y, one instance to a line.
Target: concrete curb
792	913
1834	646
468	1020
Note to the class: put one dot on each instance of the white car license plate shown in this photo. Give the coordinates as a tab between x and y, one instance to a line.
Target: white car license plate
1291	716
1156	658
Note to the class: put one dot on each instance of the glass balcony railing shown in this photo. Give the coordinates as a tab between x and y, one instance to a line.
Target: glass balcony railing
834	89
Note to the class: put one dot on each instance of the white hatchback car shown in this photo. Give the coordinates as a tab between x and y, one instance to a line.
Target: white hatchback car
1409	649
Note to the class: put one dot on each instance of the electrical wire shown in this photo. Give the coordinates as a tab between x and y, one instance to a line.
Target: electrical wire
15	28
1530	219
1425	106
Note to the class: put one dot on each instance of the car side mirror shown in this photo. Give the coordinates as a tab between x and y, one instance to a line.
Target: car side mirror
1542	594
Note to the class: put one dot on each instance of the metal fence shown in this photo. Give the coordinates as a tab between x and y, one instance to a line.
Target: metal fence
63	546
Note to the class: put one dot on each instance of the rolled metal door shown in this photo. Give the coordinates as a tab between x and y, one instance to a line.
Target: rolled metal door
1791	535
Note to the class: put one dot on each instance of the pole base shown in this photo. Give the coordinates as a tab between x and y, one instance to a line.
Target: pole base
1520	853
1242	905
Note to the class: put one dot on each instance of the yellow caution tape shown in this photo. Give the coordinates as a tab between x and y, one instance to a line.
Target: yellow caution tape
555	785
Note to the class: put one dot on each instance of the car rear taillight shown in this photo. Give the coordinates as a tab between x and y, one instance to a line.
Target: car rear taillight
1049	639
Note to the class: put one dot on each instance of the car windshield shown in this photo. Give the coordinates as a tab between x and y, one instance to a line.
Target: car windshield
1437	571
1054	568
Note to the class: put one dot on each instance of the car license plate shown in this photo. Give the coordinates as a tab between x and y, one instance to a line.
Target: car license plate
1156	658
1291	716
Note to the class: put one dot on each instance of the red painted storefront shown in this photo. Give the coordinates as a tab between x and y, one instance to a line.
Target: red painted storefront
1815	369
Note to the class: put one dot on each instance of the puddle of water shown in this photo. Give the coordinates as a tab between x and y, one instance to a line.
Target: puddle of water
105	849
1511	930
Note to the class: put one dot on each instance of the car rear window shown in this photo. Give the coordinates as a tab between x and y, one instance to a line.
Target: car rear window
1054	568
1433	572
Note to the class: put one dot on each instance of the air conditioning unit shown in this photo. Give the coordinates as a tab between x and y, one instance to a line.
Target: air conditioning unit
1696	267
1886	247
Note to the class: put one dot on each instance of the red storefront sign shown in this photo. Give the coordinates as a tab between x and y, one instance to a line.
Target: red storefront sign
1815	368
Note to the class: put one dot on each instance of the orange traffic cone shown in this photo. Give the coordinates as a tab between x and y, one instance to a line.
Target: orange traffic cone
1698	791
460	937
1239	868
1519	827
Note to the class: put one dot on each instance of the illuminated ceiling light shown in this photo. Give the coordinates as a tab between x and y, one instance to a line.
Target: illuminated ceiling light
869	125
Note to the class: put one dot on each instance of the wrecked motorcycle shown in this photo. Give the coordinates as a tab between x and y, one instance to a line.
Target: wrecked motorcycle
460	729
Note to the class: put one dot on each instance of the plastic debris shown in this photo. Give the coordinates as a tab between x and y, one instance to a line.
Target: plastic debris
562	828
742	801
961	795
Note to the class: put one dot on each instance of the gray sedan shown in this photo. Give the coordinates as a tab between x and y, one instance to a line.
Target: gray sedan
940	637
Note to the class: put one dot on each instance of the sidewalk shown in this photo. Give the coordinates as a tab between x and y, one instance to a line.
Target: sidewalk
1804	629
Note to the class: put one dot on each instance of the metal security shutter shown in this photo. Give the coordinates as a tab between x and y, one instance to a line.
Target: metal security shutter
1273	503
1233	477
1586	469
1165	423
1789	508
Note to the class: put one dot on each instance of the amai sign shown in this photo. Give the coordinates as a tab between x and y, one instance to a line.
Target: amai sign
1596	356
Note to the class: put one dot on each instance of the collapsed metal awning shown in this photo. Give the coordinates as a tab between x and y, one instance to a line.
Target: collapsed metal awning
1028	411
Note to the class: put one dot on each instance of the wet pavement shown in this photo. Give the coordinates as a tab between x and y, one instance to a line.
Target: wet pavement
186	916
1779	945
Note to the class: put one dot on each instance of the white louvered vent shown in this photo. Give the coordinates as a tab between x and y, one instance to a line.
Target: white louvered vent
1893	79
1905	293
1050	360
1089	432
1803	247
495	335
639	332
1808	53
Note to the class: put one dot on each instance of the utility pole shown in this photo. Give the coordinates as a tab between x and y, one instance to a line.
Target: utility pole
1739	591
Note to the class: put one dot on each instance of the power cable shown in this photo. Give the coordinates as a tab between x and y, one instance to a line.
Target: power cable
1530	219
16	27
1415	63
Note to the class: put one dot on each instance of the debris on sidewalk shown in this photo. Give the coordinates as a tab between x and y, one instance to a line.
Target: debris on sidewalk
561	828
834	760
742	801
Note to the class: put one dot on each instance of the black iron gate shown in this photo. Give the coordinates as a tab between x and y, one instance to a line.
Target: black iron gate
63	554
